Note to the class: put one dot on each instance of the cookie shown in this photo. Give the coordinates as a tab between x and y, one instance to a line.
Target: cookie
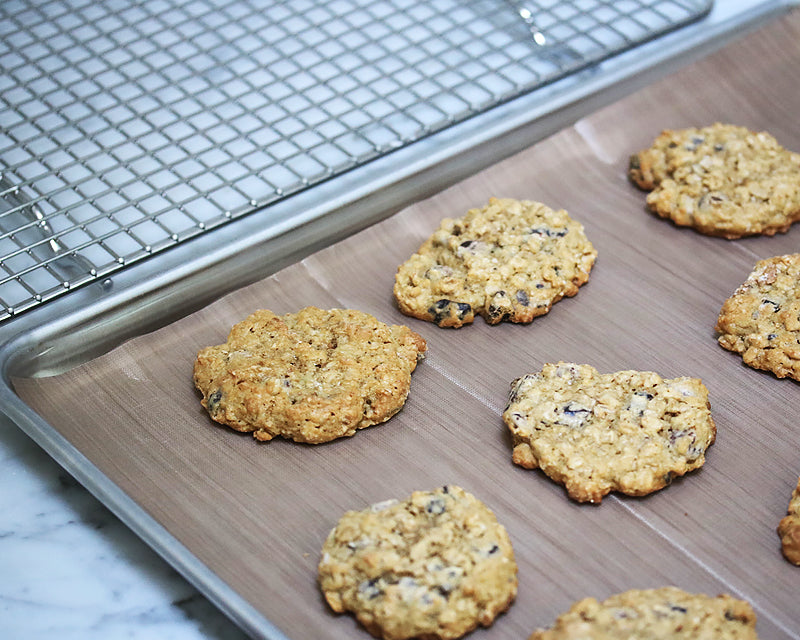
761	320
629	431
721	180
511	260
435	565
789	528
667	613
311	376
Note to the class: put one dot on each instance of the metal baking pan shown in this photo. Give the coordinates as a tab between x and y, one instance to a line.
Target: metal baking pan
97	316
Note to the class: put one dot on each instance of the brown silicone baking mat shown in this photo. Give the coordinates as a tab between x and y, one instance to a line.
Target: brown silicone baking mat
257	514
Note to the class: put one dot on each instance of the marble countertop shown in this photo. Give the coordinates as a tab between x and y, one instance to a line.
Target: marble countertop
71	570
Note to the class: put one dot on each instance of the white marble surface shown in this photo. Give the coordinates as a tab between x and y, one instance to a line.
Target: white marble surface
69	569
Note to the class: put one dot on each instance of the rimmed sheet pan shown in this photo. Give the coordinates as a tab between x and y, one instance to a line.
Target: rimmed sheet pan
256	514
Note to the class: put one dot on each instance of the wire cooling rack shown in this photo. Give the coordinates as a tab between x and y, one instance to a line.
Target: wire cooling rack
127	126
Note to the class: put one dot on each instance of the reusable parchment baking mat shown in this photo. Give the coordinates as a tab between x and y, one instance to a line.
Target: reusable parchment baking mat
257	514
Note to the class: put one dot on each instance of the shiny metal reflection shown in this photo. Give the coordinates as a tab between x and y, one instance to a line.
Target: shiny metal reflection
527	16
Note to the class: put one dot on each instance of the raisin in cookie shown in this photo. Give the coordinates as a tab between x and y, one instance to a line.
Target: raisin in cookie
789	528
722	180
629	431
435	565
510	260
667	613
761	320
311	376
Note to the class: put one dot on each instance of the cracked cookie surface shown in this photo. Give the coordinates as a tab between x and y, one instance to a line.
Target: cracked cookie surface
667	613
789	528
435	565
629	431
722	180
761	320
311	376
510	260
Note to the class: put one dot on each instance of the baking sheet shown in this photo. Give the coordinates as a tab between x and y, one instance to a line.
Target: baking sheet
256	514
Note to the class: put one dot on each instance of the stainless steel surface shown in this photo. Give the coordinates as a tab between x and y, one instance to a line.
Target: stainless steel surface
129	127
198	267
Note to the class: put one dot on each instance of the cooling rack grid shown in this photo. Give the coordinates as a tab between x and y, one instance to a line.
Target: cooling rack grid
127	126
